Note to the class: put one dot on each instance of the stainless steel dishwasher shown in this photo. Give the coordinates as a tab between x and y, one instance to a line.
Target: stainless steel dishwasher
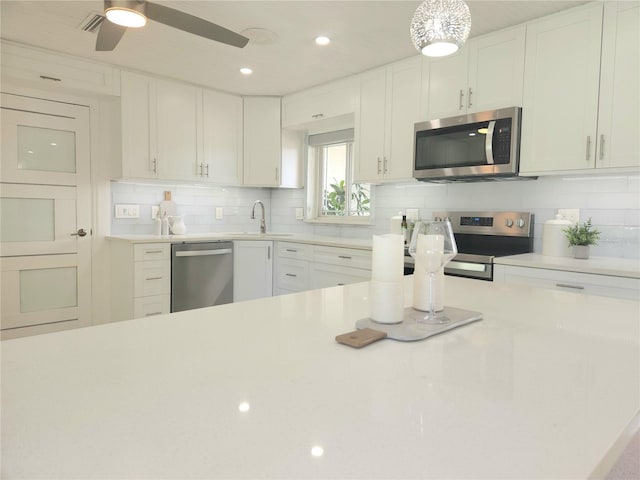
201	274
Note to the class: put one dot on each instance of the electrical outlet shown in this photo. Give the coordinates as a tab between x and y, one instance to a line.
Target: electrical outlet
155	210
413	214
219	213
299	213
127	211
571	214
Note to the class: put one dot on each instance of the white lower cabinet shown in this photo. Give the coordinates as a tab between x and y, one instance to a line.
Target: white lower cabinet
586	283
140	280
302	267
252	269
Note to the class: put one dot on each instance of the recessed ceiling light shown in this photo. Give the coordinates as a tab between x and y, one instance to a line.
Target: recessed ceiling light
246	71
321	40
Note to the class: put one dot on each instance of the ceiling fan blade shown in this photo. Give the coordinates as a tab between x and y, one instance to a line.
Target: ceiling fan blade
195	25
108	36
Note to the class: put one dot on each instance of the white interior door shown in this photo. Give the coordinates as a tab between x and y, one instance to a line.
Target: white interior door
45	216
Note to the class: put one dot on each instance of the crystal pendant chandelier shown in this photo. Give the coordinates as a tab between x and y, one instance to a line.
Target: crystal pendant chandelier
440	27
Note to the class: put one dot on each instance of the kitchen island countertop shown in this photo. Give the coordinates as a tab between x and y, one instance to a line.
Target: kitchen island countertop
546	386
617	267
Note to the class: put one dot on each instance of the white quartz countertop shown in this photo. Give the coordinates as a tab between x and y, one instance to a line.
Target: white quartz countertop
619	267
359	243
546	386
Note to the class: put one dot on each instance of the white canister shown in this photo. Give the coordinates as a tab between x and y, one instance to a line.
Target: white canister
554	240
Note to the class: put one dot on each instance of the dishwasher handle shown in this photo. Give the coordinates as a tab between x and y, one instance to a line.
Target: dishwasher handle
202	253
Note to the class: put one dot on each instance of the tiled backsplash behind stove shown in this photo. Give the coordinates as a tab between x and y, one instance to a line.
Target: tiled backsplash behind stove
613	203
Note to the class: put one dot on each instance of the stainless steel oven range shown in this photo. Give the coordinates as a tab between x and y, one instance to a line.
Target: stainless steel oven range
482	236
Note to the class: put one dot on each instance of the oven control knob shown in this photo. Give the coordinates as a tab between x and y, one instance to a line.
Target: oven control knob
509	223
521	223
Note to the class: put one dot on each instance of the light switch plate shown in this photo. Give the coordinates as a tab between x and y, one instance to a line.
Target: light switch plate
299	213
571	214
127	211
155	210
219	213
413	214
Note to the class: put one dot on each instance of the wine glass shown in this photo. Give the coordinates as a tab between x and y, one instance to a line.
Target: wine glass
432	246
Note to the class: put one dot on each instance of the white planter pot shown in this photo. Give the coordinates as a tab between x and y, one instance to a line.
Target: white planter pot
581	251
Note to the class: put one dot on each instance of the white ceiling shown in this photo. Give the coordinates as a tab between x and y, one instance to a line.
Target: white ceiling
364	34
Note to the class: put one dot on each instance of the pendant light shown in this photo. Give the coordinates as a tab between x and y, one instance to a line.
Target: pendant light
440	27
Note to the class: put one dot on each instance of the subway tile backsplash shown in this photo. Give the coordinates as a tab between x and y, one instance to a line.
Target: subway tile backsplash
612	202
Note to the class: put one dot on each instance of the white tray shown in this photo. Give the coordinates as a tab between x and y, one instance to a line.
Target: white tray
409	330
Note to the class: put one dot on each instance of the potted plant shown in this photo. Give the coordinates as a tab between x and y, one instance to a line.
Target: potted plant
580	237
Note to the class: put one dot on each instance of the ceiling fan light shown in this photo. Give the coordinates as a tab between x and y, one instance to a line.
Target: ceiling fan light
126	17
440	27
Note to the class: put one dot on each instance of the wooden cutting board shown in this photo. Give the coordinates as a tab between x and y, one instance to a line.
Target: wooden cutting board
167	206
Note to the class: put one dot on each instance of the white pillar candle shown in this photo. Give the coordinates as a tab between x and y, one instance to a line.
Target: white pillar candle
387	301
387	259
421	291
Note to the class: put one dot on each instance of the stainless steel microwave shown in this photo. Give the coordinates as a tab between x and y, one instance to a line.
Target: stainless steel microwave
472	147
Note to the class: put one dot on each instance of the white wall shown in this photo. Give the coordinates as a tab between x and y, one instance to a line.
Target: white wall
613	203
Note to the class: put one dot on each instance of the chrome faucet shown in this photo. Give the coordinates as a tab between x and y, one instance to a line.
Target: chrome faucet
263	225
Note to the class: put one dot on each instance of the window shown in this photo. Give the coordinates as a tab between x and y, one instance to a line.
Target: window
336	198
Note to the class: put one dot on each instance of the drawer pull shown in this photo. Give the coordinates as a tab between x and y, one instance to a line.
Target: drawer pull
565	285
153	278
152	251
152	313
346	257
341	284
291	250
290	274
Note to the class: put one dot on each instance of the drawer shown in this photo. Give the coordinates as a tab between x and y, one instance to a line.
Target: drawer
292	275
152	278
323	275
346	257
151	251
299	251
149	306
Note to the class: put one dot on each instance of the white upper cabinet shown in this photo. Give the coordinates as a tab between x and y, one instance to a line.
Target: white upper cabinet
389	107
581	112
262	141
485	74
320	105
222	138
619	107
178	131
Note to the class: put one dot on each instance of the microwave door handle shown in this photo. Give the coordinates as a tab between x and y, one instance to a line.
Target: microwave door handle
488	142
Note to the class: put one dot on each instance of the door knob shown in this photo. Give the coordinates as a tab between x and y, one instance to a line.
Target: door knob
81	233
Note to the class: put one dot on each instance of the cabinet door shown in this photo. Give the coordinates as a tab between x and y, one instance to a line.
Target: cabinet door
222	138
447	85
262	143
138	112
560	104
403	111
252	269
496	70
371	160
619	114
178	119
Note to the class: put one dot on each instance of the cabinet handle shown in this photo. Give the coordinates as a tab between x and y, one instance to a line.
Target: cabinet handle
290	250
566	285
152	313
601	146
207	171
153	251
290	275
53	79
341	284
385	168
379	166
461	105
155	165
317	115
588	147
276	174
469	98
201	169
269	252
346	257
153	278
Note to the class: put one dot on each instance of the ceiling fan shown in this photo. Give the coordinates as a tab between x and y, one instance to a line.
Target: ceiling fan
134	13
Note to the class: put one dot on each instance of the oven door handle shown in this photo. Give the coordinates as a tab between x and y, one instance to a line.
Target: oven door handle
488	142
471	270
